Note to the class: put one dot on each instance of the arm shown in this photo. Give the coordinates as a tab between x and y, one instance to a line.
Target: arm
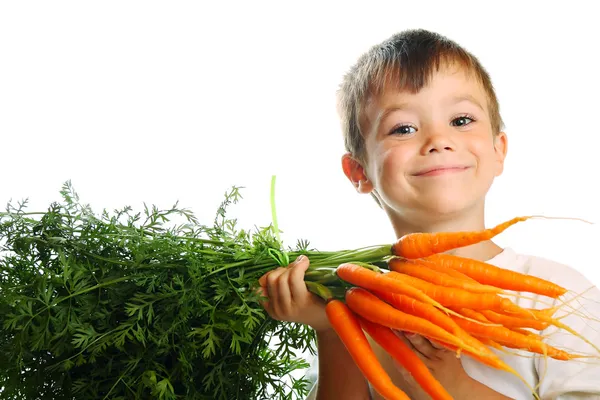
290	300
339	377
477	390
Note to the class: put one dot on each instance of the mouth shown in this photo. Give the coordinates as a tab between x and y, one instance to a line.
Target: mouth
442	170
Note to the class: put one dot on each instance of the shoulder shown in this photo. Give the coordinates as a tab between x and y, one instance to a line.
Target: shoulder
542	267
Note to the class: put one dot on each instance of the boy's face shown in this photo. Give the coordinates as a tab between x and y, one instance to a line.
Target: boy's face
432	153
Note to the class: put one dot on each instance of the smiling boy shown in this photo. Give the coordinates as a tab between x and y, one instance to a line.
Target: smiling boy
423	135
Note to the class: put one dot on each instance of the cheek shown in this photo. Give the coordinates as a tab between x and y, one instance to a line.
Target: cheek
393	162
486	156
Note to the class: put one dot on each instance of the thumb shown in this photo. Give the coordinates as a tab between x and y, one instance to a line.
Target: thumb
301	263
296	277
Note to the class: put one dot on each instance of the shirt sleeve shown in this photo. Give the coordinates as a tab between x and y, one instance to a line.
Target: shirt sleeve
312	395
312	373
575	379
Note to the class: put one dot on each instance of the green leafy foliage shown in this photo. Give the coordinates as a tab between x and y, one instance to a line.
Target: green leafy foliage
147	305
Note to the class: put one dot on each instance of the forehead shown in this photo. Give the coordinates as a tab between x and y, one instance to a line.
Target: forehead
445	82
448	84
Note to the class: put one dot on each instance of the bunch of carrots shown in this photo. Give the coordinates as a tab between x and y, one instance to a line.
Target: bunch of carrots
454	301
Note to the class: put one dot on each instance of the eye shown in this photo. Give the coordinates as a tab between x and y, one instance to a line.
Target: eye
462	121
403	130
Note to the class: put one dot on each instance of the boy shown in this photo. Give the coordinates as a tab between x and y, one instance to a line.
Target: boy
424	137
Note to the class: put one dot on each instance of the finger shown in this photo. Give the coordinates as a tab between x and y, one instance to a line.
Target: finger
284	301
262	281
438	346
266	303
296	278
273	289
422	345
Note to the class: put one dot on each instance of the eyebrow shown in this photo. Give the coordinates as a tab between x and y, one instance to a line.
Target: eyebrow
466	97
383	115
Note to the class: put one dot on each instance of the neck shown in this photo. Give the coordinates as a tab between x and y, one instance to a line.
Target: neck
470	221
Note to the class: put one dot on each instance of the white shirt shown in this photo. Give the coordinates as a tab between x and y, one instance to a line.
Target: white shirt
558	380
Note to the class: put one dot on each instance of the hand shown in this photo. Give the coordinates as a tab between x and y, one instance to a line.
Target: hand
290	300
443	364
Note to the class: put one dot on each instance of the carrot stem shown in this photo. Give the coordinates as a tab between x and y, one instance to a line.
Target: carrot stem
320	290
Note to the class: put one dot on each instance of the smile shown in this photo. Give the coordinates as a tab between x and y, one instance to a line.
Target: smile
442	170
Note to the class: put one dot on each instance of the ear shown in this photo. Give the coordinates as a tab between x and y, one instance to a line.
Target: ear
356	174
500	148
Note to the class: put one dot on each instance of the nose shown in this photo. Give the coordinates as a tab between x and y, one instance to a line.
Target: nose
438	141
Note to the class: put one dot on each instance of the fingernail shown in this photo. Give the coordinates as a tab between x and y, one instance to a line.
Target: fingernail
300	258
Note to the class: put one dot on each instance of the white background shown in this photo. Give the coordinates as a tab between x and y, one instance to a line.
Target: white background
165	101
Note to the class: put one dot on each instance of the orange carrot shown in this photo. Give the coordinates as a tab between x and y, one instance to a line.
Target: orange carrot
482	316
348	328
406	357
476	315
432	265
509	338
488	274
371	280
491	343
371	307
417	308
438	278
485	355
514	322
525	332
544	312
437	317
454	297
423	244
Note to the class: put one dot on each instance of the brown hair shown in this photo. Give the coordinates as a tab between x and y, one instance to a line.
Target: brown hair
405	61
